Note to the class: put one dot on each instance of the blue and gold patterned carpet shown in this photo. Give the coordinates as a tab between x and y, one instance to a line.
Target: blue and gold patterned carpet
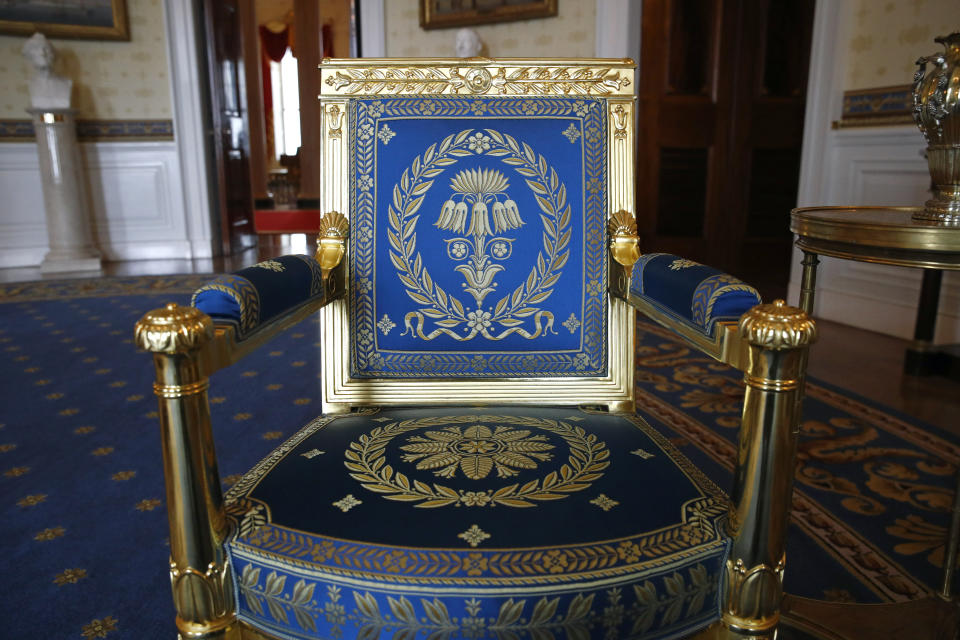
84	528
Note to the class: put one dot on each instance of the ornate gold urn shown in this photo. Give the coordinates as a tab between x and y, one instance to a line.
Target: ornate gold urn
936	108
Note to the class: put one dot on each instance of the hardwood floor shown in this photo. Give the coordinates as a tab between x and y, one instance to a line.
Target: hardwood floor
867	363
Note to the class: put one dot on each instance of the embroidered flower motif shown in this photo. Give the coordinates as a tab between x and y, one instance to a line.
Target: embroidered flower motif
364	285
571	323
458	249
365	232
682	263
313	453
375	109
377	361
580	108
474	498
386	134
148	504
593	134
476	451
429	107
478	143
474	564
643	454
271	265
395	562
500	249
604	502
474	535
323	551
100	628
628	551
530	107
571	133
531	363
427	363
347	502
478	107
554	561
50	534
479	363
385	324
365	182
581	361
594	185
478	320
69	576
31	500
364	336
364	131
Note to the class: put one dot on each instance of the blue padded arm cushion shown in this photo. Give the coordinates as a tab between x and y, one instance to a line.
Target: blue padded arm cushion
253	296
692	293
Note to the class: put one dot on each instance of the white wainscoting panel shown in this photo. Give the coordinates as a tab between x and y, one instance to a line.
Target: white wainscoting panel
876	166
135	197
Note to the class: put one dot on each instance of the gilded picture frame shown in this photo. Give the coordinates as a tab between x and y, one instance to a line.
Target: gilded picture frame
444	14
91	20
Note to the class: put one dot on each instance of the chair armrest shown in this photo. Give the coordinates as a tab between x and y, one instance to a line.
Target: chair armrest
253	305
700	303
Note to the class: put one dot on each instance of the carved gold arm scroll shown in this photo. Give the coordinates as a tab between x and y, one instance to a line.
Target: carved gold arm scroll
624	249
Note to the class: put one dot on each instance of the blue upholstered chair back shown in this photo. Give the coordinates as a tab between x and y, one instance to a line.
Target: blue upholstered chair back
477	237
478	209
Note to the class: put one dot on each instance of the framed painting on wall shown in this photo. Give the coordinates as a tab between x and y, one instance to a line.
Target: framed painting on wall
90	19
441	14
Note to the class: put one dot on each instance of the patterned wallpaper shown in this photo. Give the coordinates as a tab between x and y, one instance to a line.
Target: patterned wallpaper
570	34
887	36
112	80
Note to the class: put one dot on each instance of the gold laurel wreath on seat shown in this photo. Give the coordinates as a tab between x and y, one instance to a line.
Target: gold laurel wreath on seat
365	458
446	309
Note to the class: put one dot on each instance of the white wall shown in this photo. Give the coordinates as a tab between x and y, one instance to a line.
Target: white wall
863	166
148	200
134	190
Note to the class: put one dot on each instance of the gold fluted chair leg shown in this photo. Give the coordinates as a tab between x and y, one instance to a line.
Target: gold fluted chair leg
778	337
199	572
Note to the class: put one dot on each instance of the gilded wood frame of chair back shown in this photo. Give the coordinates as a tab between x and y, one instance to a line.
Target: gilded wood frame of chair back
346	79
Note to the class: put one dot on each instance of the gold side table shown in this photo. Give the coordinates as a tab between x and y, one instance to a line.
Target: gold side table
884	235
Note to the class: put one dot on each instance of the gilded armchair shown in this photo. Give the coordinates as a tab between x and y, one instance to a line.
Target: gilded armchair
478	470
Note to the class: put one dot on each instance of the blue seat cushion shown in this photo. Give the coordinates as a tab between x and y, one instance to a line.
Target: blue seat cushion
695	294
253	296
477	522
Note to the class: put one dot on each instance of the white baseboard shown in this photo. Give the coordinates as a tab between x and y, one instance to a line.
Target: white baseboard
135	198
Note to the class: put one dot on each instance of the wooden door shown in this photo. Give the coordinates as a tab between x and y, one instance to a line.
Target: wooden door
721	99
229	129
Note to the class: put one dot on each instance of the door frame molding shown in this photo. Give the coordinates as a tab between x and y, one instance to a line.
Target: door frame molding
190	135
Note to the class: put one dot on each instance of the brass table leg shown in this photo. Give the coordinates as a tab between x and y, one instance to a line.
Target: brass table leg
808	282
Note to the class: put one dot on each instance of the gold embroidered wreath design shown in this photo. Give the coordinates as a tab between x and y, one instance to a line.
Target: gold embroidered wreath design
366	461
408	195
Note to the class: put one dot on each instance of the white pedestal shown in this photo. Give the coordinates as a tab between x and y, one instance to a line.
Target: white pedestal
64	194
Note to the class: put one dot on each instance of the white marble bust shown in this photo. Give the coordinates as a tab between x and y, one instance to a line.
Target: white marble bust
468	43
47	89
